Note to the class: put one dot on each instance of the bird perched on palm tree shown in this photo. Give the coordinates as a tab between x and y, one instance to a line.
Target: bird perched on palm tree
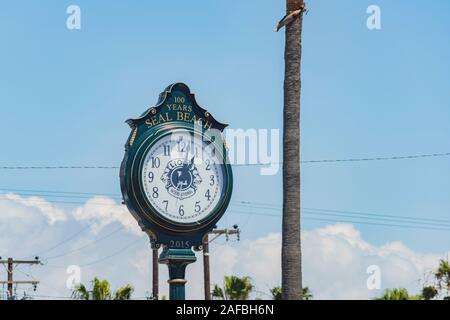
287	19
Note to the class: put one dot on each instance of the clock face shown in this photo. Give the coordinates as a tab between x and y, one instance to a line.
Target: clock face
183	177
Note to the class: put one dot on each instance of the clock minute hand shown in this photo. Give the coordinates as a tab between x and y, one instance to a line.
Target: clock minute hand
188	148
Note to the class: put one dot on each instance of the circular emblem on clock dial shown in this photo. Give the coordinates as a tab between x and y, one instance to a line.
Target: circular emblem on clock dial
181	178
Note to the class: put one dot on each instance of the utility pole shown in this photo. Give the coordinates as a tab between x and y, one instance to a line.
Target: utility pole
10	263
155	275
206	242
206	272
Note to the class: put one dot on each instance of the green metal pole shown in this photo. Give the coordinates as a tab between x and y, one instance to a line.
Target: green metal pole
177	261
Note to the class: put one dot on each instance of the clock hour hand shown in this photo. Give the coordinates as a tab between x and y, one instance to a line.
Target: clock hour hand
188	148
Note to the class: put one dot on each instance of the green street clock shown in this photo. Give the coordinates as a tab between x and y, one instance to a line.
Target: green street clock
175	176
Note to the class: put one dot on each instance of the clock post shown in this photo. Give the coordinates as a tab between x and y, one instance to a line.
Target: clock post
175	178
177	260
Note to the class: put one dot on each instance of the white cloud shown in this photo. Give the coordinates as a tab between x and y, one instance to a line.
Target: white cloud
102	211
98	211
335	258
335	261
52	213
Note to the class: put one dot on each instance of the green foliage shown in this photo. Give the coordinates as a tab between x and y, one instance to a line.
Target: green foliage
235	288
439	288
441	285
307	294
101	290
443	270
81	292
397	294
124	293
443	275
429	292
276	293
218	293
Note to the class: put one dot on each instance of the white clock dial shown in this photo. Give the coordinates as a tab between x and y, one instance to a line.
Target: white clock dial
182	177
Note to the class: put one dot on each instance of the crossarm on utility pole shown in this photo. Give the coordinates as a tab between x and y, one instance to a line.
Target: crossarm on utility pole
10	262
20	282
206	263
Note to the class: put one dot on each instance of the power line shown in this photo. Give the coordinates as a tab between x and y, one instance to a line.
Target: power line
103	258
245	204
55	167
357	213
58	195
371	216
422	220
388	158
73	236
374	218
421	224
61	202
58	192
408	157
378	215
426	223
351	221
343	160
379	224
86	245
266	206
113	254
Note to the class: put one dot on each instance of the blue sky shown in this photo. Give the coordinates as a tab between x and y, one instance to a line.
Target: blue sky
64	97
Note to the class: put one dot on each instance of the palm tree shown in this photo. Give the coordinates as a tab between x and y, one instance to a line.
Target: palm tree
276	293
235	288
307	294
218	293
101	290
124	293
443	277
443	273
398	294
291	249
429	292
81	292
439	288
395	294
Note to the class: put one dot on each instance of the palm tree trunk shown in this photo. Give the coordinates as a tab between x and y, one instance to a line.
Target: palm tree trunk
291	248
